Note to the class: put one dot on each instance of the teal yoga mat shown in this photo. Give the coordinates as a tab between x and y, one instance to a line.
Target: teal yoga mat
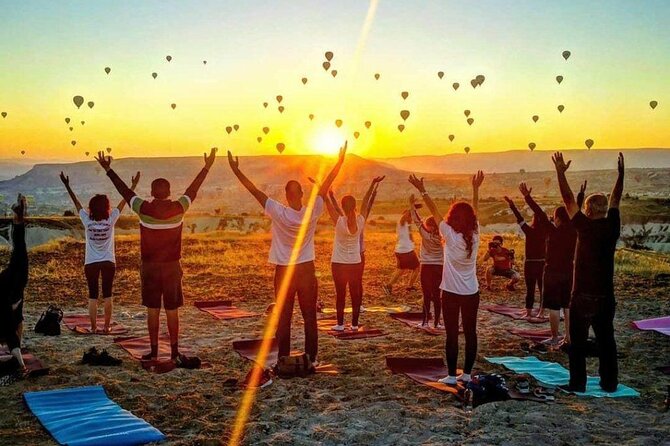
554	374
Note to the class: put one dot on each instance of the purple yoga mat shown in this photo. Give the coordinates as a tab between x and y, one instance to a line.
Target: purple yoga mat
659	324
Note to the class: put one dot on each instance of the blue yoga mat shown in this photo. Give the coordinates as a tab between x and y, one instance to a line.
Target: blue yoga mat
85	416
553	374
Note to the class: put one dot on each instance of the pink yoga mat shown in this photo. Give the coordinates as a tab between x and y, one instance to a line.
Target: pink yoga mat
33	364
659	324
249	348
81	323
348	334
414	319
223	310
139	346
515	313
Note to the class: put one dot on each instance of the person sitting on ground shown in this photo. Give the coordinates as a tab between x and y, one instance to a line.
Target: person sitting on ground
346	259
161	224
593	303
13	280
292	252
406	259
460	288
503	263
431	257
100	259
536	237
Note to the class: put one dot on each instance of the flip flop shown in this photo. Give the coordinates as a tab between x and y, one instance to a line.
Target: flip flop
543	396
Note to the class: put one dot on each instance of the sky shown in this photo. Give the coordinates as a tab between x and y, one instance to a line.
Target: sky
255	50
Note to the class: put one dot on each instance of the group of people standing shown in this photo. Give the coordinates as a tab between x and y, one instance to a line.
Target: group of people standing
447	262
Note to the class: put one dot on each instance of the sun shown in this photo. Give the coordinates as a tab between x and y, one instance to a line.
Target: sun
327	141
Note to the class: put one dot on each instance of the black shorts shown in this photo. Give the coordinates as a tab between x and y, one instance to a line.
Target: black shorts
509	273
556	290
407	260
162	281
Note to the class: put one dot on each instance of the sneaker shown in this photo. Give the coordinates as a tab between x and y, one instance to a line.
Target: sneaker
568	388
337	327
187	362
106	359
448	380
90	356
464	377
440	326
551	341
362	310
388	290
354	328
422	324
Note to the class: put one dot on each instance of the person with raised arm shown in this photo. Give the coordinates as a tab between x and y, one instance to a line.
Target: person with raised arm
431	258
406	259
536	238
593	303
292	252
460	288
13	280
346	259
100	259
161	224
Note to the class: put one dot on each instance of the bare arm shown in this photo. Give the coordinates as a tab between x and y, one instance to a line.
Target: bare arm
373	197
235	167
133	184
540	215
477	180
367	198
332	211
106	163
513	208
328	182
432	207
615	196
73	196
581	195
192	190
566	192
333	202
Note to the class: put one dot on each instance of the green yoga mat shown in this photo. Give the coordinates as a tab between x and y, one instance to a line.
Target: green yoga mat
554	374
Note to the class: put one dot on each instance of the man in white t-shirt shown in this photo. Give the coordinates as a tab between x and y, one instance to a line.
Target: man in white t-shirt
292	253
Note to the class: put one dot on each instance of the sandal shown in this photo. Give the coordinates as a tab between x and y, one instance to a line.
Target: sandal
537	393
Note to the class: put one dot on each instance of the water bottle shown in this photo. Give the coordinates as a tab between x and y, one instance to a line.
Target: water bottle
467	401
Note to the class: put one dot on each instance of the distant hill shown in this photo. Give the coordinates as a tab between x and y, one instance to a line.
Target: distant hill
537	161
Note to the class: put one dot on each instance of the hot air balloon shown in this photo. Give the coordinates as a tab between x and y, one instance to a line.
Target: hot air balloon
90	104
653	104
404	94
304	80
334	73
108	70
73	142
559	79
71	128
401	128
377	76
311	116
535	118
236	127
404	114
531	146
229	129
204	62
338	123
265	105
561	108
78	100
329	55
281	109
109	150
480	79
326	65
588	143
367	124
83	122
259	139
466	149
279	98
23	152
470	121
466	113
86	153
474	83
451	138
440	74
356	135
3	114
154	75
280	147
566	54
455	85
173	106
67	120
266	130
169	58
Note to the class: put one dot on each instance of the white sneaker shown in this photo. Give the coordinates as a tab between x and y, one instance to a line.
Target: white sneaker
337	328
362	309
448	380
464	377
354	328
440	326
422	324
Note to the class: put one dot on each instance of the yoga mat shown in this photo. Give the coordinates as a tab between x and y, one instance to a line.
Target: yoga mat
553	374
536	336
414	319
248	349
85	416
426	371
33	364
362	332
659	324
81	323
139	346
223	310
515	313
370	309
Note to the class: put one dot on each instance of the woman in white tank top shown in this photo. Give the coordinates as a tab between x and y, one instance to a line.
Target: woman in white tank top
406	259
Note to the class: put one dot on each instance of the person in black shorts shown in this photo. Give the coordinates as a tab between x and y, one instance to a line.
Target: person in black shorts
593	303
503	263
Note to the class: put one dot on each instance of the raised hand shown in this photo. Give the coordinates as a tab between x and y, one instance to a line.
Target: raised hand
209	159
477	179
620	164
234	162
582	188
135	180
65	179
418	183
378	180
343	152
559	163
509	201
525	191
104	161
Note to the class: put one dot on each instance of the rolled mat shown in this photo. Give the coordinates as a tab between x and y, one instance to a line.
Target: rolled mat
249	348
33	364
348	334
515	313
370	309
659	324
414	320
85	416
554	374
223	310
81	323
140	346
532	335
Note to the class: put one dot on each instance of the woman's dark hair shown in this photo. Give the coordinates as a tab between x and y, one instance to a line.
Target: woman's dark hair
348	204
462	218
430	225
98	208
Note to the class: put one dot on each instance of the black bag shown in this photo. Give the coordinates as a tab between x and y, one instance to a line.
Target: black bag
587	305
49	323
294	365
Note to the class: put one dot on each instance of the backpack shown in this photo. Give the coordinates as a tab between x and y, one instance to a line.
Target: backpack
49	322
294	365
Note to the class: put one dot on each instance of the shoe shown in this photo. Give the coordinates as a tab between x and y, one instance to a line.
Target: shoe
439	326
362	310
553	342
422	324
464	377
354	328
337	327
523	386
388	290
568	388
90	356
187	362
105	359
448	380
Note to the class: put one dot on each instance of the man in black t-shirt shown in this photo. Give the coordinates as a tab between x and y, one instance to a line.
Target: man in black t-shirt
593	302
